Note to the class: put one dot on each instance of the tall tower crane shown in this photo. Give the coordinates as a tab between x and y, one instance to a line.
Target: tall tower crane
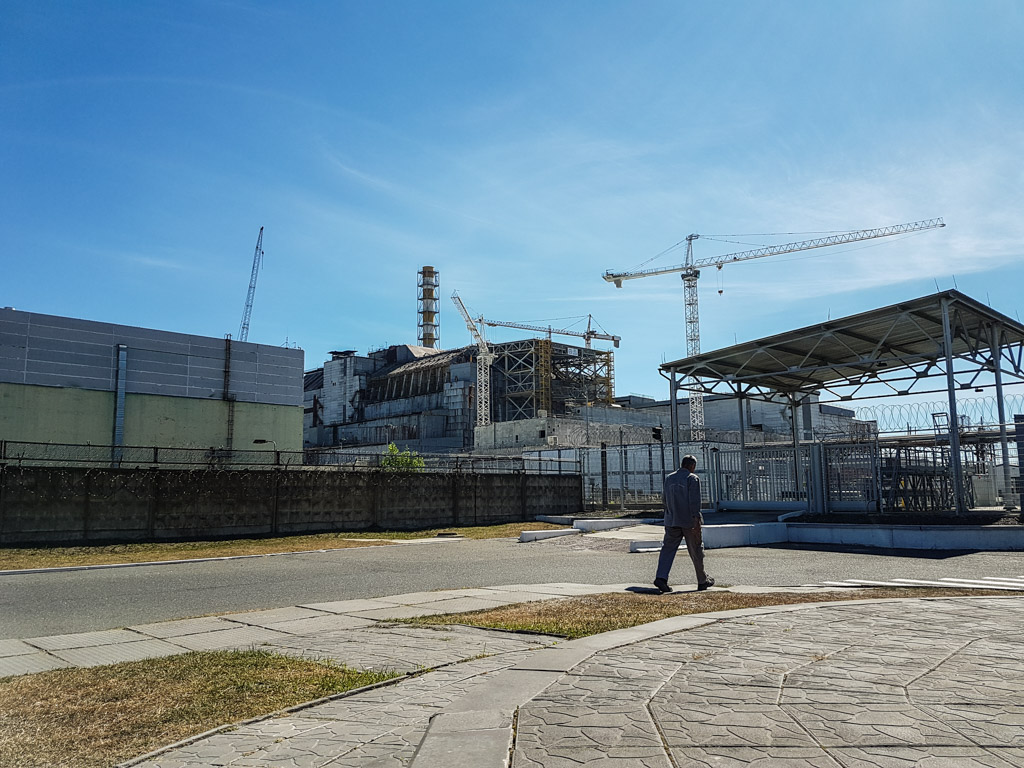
257	259
690	272
484	358
586	335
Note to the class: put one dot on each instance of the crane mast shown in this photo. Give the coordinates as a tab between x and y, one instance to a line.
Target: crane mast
484	358
257	259
587	335
690	272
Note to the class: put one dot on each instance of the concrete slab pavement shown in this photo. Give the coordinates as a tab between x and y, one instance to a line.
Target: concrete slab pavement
858	684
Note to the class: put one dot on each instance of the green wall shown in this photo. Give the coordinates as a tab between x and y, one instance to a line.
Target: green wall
55	415
65	415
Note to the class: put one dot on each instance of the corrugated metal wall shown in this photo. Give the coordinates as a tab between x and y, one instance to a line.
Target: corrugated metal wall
56	351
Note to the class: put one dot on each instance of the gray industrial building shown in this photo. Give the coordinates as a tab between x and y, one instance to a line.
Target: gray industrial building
633	419
71	381
425	399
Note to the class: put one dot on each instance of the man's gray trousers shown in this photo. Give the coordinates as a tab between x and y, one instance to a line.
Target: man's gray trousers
674	535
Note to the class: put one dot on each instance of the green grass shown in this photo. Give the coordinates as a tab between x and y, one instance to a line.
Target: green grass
99	716
20	558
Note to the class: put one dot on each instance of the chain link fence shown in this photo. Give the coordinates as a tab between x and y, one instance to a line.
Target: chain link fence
15	453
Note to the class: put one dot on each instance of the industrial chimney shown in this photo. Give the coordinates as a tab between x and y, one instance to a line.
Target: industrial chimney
429	309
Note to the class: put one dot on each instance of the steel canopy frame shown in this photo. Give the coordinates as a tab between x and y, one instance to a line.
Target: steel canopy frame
890	351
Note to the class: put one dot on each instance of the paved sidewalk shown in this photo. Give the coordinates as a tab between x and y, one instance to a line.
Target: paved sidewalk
928	682
347	631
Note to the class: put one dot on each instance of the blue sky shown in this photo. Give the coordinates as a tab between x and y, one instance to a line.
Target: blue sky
521	148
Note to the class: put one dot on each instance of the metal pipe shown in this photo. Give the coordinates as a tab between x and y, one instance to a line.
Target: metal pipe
674	418
954	427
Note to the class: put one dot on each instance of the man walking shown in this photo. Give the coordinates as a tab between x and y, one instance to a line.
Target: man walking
683	520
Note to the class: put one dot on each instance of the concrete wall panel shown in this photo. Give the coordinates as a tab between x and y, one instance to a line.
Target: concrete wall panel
43	505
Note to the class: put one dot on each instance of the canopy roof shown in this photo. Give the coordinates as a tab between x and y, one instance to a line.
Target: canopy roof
888	351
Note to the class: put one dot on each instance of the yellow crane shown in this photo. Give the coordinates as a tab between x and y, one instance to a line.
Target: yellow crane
587	335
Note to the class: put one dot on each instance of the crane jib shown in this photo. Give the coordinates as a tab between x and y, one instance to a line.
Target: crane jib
773	250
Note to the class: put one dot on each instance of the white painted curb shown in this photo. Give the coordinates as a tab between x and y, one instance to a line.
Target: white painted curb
538	535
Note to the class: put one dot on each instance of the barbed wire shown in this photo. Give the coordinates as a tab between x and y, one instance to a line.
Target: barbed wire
918	417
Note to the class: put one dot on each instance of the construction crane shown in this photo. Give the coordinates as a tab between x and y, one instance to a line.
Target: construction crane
690	272
257	259
586	335
484	358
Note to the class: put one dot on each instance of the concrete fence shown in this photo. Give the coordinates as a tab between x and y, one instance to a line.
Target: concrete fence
70	505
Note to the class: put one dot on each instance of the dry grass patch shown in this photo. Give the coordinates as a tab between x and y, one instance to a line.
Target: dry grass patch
88	718
20	558
592	614
500	531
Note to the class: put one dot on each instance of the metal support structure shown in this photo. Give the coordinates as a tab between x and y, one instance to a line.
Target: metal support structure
696	398
674	420
793	409
956	464
484	358
743	447
257	260
622	473
1004	442
119	398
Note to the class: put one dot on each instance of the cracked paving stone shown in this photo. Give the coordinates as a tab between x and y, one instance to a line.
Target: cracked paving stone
738	725
985	725
580	728
568	758
930	757
752	757
843	725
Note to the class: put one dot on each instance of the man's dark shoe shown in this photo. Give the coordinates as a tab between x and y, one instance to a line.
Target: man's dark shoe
662	585
709	583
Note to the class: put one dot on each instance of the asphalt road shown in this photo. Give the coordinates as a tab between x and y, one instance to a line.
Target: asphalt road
33	605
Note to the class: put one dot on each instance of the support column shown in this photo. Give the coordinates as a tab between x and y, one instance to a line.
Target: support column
794	417
997	350
956	465
743	449
674	418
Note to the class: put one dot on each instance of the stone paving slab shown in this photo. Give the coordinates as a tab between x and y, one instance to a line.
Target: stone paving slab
464	604
114	654
83	640
269	618
351	606
30	664
225	639
322	623
398	612
166	629
16	648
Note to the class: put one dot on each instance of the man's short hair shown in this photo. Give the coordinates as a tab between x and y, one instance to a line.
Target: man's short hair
688	459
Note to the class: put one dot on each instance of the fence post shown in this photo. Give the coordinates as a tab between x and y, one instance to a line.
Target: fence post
277	501
604	475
